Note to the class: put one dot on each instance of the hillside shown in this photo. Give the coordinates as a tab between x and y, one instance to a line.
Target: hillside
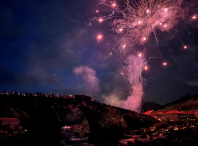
188	102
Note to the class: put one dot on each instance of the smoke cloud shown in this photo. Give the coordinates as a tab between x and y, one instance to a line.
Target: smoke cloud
90	81
131	72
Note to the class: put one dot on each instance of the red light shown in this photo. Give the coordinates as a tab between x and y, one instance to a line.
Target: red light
185	47
146	67
164	64
114	4
100	20
165	25
140	54
120	29
124	46
97	11
99	37
144	39
194	17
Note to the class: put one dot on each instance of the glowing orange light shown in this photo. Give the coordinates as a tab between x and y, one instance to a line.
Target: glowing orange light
120	29
100	20
97	11
113	4
99	37
194	17
146	67
140	54
185	47
164	64
124	46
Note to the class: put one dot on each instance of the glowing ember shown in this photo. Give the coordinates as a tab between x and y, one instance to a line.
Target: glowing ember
194	17
99	36
140	54
113	4
185	47
164	64
100	20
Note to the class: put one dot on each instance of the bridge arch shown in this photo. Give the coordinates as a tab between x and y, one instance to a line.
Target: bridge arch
43	123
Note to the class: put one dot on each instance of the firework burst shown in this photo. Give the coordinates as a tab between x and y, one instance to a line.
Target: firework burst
134	21
137	19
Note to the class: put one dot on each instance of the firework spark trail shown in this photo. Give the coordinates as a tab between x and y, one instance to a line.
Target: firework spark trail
132	74
139	18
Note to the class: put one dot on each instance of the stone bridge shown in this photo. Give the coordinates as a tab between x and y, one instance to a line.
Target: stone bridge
106	122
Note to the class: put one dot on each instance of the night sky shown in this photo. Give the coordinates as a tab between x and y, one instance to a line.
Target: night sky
46	46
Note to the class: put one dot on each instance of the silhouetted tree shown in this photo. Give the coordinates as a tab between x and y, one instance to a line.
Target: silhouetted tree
44	95
12	93
5	92
26	93
15	93
30	94
21	94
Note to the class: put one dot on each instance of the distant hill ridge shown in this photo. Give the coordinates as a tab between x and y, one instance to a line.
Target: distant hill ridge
188	102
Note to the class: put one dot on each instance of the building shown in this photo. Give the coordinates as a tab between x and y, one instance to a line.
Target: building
196	113
9	121
149	112
173	115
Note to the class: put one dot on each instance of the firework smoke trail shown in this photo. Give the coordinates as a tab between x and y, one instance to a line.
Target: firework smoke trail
132	74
